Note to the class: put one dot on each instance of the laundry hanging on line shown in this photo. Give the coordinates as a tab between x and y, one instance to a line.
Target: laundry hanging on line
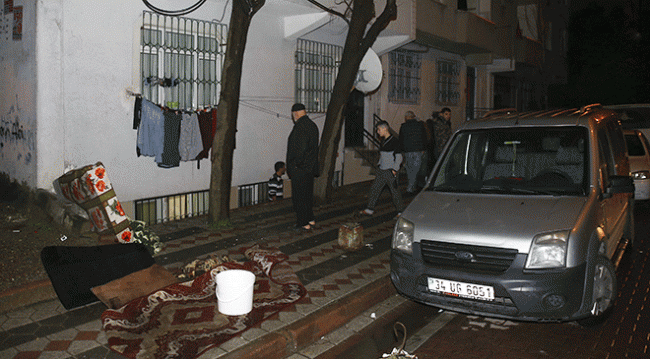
170	135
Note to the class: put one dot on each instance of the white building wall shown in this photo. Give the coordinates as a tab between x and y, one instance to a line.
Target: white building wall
100	46
393	112
88	57
267	94
65	86
18	120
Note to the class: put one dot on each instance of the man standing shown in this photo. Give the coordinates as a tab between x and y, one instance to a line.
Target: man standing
302	165
413	140
441	131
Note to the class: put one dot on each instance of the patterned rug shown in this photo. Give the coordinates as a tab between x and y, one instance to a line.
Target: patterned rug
182	320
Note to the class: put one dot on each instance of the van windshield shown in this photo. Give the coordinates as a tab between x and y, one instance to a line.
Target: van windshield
522	160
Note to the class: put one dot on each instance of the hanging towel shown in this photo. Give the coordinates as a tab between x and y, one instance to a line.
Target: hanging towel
190	142
151	131
170	156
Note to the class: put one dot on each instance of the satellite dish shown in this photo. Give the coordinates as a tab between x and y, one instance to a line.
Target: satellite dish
370	73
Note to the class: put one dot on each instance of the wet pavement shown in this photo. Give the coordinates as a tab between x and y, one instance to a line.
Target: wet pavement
340	284
351	306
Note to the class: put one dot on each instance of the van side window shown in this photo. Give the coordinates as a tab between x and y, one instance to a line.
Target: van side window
607	163
617	142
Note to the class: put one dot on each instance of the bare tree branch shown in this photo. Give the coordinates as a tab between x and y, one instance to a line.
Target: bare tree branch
333	12
358	41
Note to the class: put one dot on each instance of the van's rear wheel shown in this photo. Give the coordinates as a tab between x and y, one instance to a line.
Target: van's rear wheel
603	292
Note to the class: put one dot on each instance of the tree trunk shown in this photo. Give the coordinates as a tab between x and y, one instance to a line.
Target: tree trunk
223	144
357	43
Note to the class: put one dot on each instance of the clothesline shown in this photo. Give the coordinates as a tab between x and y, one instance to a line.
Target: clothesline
170	135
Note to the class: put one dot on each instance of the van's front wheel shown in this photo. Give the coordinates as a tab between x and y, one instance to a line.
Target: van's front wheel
603	292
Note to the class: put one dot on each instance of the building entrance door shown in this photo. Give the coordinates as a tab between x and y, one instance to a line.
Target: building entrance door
354	120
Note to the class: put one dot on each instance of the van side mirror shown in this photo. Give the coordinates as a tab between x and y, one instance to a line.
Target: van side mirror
619	184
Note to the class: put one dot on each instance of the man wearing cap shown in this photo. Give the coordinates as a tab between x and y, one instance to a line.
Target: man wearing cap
302	165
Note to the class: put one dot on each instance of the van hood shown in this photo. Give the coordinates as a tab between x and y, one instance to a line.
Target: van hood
503	221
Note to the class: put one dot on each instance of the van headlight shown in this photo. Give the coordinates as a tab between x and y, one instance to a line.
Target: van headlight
548	250
640	175
403	236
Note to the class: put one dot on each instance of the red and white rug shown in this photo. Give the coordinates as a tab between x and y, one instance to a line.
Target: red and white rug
182	320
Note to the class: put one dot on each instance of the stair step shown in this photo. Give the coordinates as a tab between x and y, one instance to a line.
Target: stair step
371	334
285	342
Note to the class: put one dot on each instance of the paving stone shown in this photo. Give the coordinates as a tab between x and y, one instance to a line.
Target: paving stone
50	326
37	344
8	353
67	334
12	323
253	333
81	346
234	343
21	313
317	348
339	335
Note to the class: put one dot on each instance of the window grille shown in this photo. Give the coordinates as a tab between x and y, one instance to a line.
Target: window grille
447	84
181	60
256	193
316	69
404	77
171	208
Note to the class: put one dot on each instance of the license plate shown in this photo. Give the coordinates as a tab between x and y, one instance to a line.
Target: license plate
460	289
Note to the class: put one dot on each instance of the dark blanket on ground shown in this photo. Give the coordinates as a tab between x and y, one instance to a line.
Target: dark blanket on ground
182	320
74	270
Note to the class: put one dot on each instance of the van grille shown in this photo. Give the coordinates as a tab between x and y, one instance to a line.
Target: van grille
461	256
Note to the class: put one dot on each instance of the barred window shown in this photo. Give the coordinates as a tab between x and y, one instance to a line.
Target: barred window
404	77
316	69
181	60
447	84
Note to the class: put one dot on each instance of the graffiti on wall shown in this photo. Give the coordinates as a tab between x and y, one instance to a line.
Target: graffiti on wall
14	136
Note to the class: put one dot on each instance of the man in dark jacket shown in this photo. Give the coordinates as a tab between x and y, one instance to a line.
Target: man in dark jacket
302	165
413	141
441	130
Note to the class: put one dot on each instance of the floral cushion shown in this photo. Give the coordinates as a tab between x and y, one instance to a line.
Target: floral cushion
91	189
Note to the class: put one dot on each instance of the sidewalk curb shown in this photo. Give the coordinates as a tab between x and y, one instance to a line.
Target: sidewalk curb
27	294
379	335
287	341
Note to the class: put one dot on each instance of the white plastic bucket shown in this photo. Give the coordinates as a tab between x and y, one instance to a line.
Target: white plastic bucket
235	291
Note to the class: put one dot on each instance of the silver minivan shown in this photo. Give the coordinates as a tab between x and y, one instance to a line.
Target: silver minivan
525	217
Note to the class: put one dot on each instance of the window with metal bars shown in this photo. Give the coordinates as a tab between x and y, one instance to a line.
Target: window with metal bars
316	68
173	207
181	60
404	77
448	82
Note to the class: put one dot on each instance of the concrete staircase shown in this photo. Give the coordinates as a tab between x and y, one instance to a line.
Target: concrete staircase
359	164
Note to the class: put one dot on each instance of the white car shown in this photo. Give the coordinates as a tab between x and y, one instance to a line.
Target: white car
638	150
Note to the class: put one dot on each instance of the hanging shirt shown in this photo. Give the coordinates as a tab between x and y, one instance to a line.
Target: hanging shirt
170	156
190	142
151	131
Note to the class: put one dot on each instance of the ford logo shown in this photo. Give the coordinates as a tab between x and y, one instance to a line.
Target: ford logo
464	256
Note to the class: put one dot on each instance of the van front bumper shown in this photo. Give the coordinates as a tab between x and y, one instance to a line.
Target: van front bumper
542	296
